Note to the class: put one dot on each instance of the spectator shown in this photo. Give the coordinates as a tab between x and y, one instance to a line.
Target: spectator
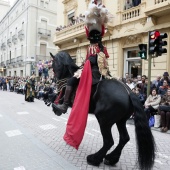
156	81
165	115
134	90
140	96
126	77
152	103
130	83
128	4
165	77
139	79
142	86
163	89
136	2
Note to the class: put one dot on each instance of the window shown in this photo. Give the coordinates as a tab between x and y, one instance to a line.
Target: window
42	3
71	18
15	73
21	50
44	24
10	56
21	73
43	48
15	52
131	3
22	25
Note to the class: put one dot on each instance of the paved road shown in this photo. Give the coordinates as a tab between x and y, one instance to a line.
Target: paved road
31	138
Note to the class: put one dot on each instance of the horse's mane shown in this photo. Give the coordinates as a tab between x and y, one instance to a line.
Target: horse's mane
64	58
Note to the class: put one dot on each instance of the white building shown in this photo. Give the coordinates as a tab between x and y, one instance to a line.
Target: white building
26	36
4	7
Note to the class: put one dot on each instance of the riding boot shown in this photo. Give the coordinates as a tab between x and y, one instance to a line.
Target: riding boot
63	107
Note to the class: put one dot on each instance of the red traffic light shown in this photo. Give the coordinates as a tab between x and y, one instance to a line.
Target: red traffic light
154	34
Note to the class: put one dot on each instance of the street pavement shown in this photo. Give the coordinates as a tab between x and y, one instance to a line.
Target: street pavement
31	138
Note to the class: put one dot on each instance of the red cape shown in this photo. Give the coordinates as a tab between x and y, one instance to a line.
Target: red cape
78	117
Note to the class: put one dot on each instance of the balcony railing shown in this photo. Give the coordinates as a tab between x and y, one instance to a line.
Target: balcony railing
14	38
131	13
158	8
3	46
8	62
21	34
13	61
69	33
42	58
44	32
20	59
9	42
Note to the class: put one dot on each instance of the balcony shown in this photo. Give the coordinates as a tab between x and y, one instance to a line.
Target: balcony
3	46
9	42
69	34
21	34
20	60
2	64
42	58
14	38
131	13
158	8
13	62
44	33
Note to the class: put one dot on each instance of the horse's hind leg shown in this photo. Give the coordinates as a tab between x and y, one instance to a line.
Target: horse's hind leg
96	158
114	156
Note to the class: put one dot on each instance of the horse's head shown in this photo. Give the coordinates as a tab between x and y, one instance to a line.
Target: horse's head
63	65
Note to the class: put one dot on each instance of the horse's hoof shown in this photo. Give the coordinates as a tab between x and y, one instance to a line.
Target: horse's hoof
56	110
110	162
92	161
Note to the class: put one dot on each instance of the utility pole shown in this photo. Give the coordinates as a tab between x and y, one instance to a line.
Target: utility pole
149	74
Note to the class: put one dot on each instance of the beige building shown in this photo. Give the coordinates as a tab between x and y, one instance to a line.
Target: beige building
26	36
128	28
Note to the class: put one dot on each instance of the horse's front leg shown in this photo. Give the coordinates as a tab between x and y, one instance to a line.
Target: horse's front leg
96	158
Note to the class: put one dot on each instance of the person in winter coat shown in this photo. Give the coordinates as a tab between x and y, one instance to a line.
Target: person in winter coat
152	103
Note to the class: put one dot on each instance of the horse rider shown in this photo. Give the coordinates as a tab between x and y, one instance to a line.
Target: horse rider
96	54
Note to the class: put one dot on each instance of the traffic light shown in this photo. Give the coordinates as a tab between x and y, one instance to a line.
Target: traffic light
156	43
143	51
161	43
153	41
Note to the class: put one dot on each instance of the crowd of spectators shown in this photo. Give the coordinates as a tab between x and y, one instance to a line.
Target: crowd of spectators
17	84
159	95
74	20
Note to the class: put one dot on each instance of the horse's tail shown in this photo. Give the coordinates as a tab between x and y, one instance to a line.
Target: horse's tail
145	140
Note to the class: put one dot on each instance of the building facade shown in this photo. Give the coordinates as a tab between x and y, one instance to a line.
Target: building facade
129	28
4	7
26	36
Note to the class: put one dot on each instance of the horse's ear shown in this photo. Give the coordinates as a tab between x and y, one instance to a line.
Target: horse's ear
52	55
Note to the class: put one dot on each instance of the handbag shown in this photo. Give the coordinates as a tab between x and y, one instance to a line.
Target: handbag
157	121
151	121
165	108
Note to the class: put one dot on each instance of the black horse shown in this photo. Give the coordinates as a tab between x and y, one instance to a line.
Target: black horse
113	102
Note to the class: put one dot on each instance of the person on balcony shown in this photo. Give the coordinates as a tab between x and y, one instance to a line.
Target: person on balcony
136	2
128	4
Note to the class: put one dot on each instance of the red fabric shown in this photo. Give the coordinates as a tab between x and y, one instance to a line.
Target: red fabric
78	117
58	98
